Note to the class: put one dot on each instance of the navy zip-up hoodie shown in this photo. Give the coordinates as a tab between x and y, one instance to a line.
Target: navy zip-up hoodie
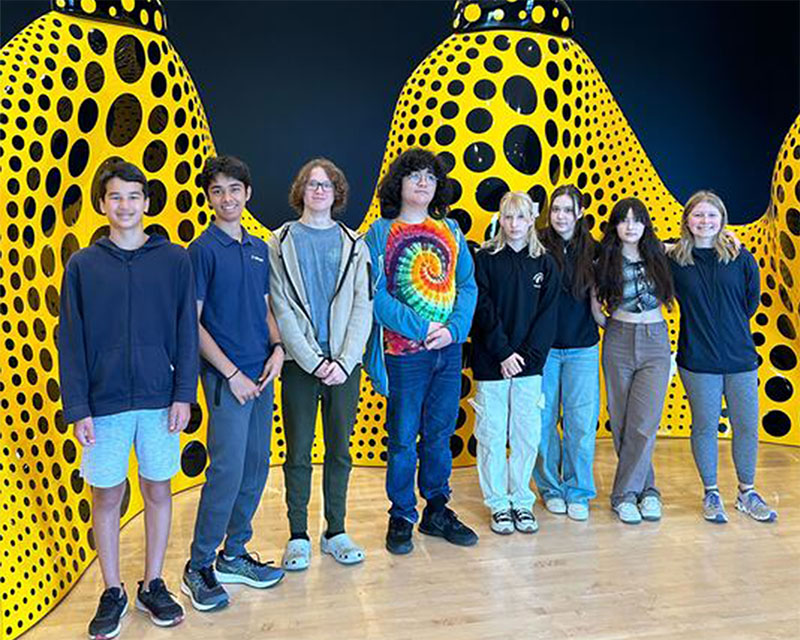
717	301
516	312
127	336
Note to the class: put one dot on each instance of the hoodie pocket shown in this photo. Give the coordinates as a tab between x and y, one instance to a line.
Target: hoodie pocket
108	374
152	370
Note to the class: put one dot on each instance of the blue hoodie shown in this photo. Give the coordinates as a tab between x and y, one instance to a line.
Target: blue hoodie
127	337
392	314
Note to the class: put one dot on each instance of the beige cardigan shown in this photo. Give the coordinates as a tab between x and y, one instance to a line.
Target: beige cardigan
350	318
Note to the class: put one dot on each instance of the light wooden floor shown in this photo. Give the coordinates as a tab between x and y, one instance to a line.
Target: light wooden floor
680	578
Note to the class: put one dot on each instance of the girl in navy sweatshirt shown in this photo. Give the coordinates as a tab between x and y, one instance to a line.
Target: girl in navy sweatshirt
717	287
512	331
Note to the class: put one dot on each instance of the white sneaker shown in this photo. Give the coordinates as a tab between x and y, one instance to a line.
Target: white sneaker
578	511
628	513
502	522
650	508
297	555
556	505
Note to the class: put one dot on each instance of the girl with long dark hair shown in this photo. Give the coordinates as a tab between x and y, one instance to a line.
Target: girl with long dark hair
632	283
571	377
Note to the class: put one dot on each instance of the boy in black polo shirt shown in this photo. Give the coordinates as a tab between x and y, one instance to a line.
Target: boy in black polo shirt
241	355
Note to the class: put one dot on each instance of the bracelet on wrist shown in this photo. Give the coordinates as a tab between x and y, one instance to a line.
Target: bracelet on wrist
233	374
279	344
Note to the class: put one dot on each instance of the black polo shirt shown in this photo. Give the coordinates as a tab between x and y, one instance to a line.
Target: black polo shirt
232	280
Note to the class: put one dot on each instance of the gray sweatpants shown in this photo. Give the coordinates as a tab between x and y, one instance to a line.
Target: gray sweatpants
636	370
704	391
238	445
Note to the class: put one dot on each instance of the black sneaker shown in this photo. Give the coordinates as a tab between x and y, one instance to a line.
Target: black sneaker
444	523
203	588
398	536
159	604
106	622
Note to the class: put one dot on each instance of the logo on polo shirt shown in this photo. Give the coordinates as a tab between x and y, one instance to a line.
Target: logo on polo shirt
255	257
538	279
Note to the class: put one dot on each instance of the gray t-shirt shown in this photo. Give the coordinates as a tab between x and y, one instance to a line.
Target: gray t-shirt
319	252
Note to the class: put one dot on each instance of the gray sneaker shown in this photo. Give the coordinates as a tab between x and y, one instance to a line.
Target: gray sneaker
247	569
753	505
203	589
713	509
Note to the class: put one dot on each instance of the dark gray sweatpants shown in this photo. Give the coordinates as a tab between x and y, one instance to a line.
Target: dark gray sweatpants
238	444
636	366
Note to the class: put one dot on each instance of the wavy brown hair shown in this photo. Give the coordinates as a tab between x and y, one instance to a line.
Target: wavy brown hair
608	268
724	243
340	187
579	277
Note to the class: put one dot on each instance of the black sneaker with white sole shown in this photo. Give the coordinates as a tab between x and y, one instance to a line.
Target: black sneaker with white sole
159	604
106	622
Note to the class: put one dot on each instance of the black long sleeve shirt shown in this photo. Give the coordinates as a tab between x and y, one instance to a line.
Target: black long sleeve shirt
716	302
576	327
516	311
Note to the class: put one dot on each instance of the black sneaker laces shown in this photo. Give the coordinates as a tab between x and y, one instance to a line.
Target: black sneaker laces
109	602
160	596
255	560
209	577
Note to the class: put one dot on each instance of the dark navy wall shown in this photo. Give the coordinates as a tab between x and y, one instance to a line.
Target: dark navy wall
710	88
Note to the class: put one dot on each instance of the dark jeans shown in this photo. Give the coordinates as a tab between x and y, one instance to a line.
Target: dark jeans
424	392
301	394
238	444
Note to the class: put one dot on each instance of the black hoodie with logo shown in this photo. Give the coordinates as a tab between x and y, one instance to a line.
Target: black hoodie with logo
127	337
516	312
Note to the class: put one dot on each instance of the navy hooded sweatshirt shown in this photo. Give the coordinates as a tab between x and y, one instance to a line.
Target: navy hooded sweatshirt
516	311
127	336
716	302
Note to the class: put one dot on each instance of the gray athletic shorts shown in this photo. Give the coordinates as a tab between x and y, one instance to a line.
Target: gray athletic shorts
158	452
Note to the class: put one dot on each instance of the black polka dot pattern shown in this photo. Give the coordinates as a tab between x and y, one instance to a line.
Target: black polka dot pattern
67	126
547	118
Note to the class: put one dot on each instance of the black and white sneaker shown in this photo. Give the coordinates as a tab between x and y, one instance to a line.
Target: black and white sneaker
524	520
106	622
502	522
159	604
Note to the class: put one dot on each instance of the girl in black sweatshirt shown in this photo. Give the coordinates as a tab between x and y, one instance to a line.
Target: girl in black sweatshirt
512	331
717	286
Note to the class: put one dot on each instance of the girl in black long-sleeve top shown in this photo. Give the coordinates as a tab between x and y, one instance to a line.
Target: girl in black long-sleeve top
512	331
717	286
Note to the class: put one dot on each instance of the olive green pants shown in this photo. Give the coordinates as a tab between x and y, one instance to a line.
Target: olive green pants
301	395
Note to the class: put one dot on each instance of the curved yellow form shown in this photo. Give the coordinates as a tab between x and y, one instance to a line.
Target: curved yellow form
505	108
524	110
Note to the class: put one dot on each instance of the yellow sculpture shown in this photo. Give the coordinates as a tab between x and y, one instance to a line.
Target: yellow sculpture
509	101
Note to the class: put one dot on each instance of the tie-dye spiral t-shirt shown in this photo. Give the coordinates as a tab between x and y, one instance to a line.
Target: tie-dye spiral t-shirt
420	268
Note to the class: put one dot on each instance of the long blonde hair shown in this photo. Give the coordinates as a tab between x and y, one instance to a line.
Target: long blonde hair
725	242
515	202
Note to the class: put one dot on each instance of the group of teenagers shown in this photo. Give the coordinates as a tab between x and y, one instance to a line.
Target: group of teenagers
142	318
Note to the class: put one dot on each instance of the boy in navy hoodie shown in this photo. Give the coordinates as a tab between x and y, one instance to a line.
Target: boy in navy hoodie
128	355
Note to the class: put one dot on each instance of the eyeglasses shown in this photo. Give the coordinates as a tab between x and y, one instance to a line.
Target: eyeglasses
417	176
313	185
